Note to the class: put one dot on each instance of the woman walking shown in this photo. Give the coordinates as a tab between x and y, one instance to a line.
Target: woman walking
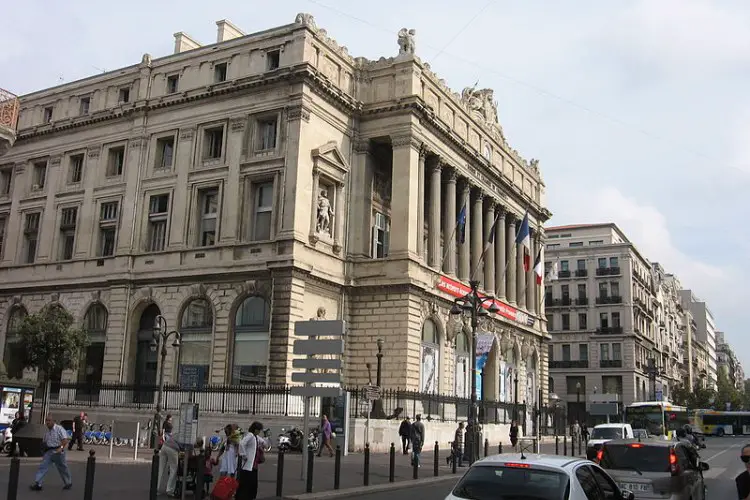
229	453
251	450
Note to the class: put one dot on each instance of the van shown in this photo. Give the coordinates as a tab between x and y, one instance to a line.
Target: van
606	432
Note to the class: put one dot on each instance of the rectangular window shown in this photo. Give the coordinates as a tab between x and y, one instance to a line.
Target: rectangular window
39	175
566	321
550	322
581	264
164	152
617	351
596	242
31	236
267	134
566	352
583	321
604	352
601	263
574	244
262	211
68	222
220	72
3	223
108	217
115	161
85	105
381	231
213	143
576	385
47	117
603	292
75	169
6	178
614	289
173	83
616	319
604	320
565	289
550	352
583	352
208	205
614	262
564	265
582	291
124	95
158	215
273	59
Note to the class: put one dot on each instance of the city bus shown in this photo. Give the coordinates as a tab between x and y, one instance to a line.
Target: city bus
659	418
719	423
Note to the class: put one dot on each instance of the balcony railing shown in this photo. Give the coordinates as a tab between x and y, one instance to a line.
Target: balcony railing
563	274
607	271
609	299
9	107
609	330
610	363
581	363
581	273
582	301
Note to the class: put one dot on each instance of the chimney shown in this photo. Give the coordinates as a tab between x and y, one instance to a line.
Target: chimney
227	31
183	42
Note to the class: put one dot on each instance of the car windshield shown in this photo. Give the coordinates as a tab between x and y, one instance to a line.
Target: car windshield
606	433
485	482
640	433
635	456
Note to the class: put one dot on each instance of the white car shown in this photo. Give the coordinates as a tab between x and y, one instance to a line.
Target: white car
536	477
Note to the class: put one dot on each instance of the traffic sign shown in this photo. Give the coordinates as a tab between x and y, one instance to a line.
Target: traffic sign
316	328
309	391
313	347
372	392
316	378
317	364
317	347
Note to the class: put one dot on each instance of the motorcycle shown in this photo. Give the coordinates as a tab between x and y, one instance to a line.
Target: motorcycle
290	440
313	440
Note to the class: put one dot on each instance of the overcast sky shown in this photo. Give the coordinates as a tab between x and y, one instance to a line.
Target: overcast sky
638	110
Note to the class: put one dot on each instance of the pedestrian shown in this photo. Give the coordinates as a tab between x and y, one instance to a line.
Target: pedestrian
77	437
457	453
229	452
167	420
16	426
169	458
513	434
404	430
743	480
575	431
251	450
325	430
53	446
417	440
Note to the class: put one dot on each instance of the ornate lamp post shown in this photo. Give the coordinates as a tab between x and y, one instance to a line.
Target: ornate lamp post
160	338
377	405
473	305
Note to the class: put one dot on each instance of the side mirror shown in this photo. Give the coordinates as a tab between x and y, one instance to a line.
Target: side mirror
703	466
627	495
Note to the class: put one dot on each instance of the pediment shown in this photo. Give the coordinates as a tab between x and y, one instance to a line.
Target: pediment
329	157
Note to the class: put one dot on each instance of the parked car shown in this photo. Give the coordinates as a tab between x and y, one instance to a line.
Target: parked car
655	468
536	477
606	432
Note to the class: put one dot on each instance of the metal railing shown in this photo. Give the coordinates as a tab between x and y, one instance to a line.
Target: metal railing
9	106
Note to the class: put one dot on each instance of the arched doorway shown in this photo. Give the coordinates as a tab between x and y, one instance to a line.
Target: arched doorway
252	325
196	331
146	360
12	354
430	357
463	366
92	362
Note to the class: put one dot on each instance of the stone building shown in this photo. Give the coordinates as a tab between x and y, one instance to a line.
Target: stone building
238	187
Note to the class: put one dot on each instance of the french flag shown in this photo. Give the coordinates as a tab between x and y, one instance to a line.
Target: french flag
538	267
523	238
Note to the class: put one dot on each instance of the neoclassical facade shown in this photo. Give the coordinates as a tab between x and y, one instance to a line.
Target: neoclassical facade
238	187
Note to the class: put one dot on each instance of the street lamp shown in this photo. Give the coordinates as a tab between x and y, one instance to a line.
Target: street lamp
515	396
160	337
473	305
377	405
578	396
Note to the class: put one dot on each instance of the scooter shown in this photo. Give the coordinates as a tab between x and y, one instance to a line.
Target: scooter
6	440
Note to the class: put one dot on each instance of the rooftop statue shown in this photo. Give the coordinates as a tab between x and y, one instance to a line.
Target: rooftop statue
406	44
481	102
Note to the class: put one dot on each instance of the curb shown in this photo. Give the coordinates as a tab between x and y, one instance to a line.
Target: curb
366	490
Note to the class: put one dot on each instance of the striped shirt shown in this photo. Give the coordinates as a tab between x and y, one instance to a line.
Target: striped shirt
55	436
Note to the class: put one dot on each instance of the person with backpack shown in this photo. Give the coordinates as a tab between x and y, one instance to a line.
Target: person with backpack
251	450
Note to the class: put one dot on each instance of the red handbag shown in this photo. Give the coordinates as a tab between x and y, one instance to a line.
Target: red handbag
225	488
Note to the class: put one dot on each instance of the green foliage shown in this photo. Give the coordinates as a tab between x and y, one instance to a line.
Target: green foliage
51	342
727	393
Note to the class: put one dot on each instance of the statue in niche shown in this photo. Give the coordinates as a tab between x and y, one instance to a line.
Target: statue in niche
320	315
325	212
406	43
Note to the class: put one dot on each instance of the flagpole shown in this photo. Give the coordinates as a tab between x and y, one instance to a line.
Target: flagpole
513	251
450	240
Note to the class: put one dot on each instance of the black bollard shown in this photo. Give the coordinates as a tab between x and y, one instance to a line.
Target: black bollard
392	464
436	459
310	468
572	446
367	464
15	469
454	458
200	474
280	475
486	447
500	448
154	476
557	445
336	469
565	445
88	488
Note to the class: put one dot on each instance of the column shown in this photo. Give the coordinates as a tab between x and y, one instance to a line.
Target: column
405	198
476	237
510	249
435	212
520	277
420	209
338	226
464	266
500	269
314	206
489	257
531	278
540	302
450	220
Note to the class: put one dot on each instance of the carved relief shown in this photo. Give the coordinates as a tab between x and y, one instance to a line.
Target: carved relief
406	42
54	297
146	292
137	142
55	161
299	112
254	287
146	59
94	151
306	20
17	300
320	315
187	134
237	124
198	290
96	295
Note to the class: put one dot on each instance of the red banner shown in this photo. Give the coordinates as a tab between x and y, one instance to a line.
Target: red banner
458	290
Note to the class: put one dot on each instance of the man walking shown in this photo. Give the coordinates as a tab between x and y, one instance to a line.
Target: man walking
53	446
458	445
78	423
417	440
404	430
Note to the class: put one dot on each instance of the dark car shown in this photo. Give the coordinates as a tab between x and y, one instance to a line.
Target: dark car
655	468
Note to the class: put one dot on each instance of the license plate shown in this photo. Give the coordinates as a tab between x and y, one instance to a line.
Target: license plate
635	487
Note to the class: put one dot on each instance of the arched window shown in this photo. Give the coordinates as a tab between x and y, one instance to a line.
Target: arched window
463	366
430	357
13	353
510	374
146	360
92	362
487	152
196	332
251	341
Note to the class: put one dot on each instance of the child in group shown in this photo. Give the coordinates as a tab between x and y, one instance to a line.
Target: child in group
208	466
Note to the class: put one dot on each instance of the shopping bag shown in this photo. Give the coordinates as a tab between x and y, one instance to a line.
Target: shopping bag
225	488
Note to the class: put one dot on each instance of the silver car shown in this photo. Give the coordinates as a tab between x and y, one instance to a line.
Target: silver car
536	477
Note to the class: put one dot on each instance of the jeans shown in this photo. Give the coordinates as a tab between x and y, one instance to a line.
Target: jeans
58	459
248	489
168	460
405	444
416	454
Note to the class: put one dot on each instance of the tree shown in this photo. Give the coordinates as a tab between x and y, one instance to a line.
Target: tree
51	344
727	393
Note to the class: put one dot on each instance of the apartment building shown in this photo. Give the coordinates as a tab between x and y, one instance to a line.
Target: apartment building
238	187
705	333
728	363
612	317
